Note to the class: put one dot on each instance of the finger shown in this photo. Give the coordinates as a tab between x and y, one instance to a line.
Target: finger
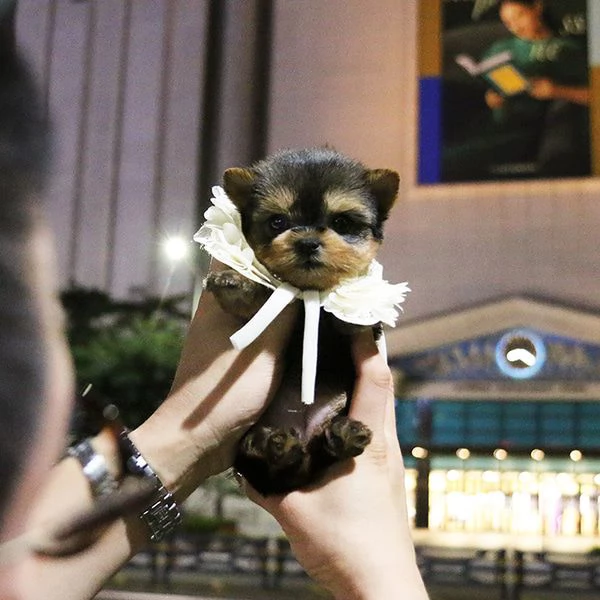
211	316
209	334
277	334
268	503
373	385
393	450
390	426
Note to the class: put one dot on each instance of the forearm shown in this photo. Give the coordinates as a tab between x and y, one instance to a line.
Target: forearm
577	95
68	494
217	394
392	577
80	575
373	564
398	583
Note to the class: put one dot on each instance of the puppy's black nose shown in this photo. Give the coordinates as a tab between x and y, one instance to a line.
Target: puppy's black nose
307	246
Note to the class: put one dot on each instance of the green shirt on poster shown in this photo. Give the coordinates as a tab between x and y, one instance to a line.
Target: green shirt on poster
563	60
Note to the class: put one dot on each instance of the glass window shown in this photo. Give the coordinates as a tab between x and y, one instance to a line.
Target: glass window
557	424
406	422
449	420
520	425
484	422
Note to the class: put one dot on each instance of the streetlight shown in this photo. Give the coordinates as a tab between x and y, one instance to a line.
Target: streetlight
176	248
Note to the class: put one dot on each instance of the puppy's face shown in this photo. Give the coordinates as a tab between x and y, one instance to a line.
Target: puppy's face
313	218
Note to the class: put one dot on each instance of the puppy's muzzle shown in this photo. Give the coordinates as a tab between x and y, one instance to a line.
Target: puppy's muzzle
307	247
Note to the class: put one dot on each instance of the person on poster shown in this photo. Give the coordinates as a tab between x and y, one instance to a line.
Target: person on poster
542	131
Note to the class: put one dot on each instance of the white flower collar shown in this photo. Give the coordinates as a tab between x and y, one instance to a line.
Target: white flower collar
365	300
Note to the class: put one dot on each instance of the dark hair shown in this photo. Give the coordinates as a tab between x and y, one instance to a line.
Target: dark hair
23	151
525	2
547	17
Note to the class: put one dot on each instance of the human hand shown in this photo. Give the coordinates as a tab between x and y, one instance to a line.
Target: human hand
542	88
493	99
350	532
217	394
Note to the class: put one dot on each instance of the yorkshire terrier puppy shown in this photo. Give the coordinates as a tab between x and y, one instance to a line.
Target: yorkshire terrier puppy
314	218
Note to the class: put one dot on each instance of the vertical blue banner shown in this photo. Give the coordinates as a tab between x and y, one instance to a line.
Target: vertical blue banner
430	130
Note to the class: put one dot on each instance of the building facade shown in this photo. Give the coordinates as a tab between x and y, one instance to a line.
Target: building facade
498	414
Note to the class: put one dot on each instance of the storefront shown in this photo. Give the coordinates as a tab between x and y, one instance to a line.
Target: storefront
498	414
552	497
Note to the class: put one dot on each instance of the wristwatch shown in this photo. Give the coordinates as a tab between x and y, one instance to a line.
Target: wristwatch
163	515
94	468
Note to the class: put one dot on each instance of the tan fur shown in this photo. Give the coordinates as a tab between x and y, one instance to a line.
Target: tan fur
338	201
339	260
280	200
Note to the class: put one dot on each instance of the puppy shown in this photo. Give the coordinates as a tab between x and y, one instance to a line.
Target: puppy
314	219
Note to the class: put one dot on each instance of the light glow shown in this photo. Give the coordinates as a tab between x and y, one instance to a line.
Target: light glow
419	452
521	354
463	453
575	455
176	248
500	453
538	454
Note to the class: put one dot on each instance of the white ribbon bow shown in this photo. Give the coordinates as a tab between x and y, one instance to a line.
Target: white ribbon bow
365	300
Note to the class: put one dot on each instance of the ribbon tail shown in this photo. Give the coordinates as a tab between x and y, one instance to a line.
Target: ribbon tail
312	310
382	346
278	300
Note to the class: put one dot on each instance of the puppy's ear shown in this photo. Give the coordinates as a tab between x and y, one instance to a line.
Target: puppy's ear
383	184
238	184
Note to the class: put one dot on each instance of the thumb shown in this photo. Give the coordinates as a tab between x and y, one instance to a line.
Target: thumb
373	385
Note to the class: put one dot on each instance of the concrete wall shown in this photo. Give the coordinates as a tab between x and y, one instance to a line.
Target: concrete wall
343	72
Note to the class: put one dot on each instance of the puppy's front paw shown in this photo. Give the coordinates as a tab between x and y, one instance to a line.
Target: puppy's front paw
345	437
235	293
278	448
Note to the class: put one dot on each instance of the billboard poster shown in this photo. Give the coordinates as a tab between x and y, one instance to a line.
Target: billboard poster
506	90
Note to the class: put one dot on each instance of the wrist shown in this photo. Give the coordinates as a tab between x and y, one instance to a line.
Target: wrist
123	463
111	462
174	455
387	570
395	581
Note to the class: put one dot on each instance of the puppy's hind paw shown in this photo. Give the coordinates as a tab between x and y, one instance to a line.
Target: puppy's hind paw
345	437
279	448
274	461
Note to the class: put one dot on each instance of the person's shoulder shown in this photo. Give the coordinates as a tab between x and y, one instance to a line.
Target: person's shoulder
498	46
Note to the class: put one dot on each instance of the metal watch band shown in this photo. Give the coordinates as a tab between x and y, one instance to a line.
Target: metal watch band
163	515
94	468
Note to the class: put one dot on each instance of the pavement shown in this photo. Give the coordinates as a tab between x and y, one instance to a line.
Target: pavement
184	586
193	586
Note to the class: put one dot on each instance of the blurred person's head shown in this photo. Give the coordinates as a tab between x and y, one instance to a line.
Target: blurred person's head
525	19
35	369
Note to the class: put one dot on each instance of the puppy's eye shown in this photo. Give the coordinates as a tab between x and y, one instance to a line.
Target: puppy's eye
278	223
343	224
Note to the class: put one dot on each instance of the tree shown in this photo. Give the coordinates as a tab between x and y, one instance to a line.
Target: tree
128	351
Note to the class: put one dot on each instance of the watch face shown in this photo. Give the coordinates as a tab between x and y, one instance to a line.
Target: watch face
94	468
